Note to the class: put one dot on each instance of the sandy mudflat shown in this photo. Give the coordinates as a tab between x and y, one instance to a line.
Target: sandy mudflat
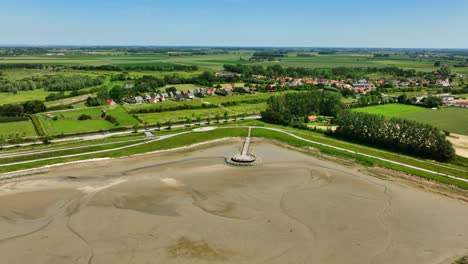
192	208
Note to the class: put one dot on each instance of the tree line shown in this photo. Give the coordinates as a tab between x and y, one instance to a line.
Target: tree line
294	108
51	83
396	134
22	109
139	67
338	72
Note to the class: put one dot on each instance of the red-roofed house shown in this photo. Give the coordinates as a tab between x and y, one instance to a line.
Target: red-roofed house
312	118
110	102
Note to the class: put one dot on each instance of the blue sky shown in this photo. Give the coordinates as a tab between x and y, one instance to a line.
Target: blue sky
303	23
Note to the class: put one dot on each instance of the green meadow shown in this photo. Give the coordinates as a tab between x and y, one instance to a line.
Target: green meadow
391	110
216	61
451	119
181	116
67	121
22	128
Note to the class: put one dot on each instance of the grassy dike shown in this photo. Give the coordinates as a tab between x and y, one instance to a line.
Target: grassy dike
456	169
367	161
170	143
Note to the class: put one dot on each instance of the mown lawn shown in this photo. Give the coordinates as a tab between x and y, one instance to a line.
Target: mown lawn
22	128
391	110
68	122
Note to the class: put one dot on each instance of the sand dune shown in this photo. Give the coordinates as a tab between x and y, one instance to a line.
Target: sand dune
192	208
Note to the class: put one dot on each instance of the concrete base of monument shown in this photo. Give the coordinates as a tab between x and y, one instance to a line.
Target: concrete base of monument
243	160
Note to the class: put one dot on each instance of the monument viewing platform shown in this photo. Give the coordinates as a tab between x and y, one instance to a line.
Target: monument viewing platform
244	158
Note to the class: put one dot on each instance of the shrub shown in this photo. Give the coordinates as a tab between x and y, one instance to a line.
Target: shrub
84	117
111	119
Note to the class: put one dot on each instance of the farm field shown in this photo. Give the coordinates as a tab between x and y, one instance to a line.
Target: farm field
22	128
68	122
23	96
391	110
216	61
216	100
68	101
182	115
451	119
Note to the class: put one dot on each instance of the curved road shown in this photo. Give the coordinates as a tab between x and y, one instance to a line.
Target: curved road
363	154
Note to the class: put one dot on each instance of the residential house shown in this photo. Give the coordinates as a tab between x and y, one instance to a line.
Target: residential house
313	118
110	102
139	100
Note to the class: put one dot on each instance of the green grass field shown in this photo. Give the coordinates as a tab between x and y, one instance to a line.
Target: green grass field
451	119
68	122
216	100
22	128
22	96
216	61
182	115
391	110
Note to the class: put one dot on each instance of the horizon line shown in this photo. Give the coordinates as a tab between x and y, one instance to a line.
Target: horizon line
216	46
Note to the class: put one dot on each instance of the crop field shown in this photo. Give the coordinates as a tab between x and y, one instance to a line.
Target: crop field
68	123
22	128
181	115
216	61
392	110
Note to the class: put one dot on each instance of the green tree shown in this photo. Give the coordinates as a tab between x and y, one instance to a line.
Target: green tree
117	93
433	101
33	107
226	116
158	125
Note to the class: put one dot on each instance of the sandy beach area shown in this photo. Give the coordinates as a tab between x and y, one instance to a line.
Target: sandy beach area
190	207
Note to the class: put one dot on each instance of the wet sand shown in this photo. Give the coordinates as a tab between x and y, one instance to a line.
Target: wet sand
190	207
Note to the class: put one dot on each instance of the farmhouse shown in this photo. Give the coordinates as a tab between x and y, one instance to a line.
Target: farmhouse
312	118
110	102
